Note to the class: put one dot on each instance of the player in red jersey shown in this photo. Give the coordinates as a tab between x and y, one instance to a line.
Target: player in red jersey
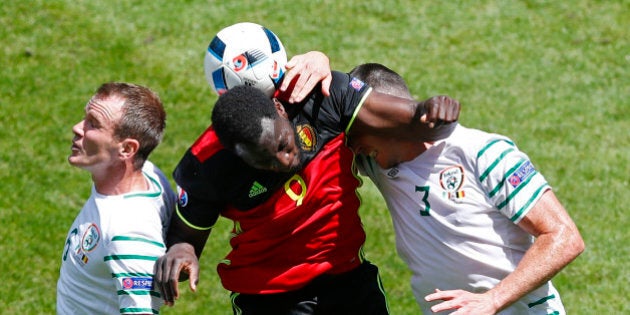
292	196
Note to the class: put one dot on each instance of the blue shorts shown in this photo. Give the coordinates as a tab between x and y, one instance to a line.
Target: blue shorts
358	291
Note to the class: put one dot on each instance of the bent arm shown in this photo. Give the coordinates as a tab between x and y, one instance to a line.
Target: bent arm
391	116
558	242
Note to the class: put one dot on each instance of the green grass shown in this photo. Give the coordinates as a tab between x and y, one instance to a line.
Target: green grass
552	75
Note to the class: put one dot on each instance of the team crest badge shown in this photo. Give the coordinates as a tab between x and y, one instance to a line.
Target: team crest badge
451	180
308	137
90	239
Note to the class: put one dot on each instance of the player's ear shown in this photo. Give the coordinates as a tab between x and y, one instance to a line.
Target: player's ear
128	148
280	108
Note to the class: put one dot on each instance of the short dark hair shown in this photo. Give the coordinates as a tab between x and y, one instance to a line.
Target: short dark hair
237	115
143	116
382	79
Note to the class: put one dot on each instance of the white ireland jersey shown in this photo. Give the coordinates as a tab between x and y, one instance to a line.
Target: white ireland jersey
455	210
111	248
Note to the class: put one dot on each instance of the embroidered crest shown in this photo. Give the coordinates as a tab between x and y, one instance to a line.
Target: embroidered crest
307	136
90	238
451	180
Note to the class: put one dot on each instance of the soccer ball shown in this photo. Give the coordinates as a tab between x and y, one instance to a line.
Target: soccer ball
245	54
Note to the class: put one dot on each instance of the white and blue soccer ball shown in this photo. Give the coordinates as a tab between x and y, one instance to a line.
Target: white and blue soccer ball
245	54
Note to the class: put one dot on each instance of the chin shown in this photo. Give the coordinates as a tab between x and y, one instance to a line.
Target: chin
386	165
72	159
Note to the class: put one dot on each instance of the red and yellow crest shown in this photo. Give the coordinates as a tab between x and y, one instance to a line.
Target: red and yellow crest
308	137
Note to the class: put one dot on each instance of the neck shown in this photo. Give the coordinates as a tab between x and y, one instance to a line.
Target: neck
119	181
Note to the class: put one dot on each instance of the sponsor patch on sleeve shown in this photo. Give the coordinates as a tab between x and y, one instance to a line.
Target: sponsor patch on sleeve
356	84
521	174
182	197
137	283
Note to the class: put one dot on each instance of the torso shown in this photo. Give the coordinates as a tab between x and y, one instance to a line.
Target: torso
453	225
287	226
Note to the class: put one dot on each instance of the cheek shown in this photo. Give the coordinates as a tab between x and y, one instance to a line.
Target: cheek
90	143
382	161
95	143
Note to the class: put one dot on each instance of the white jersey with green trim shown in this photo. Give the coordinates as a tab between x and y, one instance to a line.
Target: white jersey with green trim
455	209
111	248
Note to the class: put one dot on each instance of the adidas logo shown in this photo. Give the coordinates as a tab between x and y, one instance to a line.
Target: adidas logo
256	189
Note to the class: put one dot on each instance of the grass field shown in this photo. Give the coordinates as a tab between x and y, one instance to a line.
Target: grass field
552	75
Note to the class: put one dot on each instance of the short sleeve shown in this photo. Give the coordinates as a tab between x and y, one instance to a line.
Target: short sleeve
509	178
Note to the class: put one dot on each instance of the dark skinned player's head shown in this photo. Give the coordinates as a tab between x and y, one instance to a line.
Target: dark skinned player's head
256	129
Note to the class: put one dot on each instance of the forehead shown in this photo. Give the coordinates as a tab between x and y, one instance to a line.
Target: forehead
262	152
104	108
259	152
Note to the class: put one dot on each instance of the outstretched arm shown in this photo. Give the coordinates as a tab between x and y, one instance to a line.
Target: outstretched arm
303	74
391	116
185	245
558	242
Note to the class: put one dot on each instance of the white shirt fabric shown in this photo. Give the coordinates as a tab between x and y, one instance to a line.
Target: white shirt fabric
454	209
111	248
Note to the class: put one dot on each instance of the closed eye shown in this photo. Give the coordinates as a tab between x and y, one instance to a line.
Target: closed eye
282	146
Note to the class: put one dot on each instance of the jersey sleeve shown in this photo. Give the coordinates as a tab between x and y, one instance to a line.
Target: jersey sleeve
198	200
347	95
509	178
132	251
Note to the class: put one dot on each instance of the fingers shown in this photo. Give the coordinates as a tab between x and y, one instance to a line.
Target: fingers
303	74
438	295
193	278
307	82
431	110
326	84
452	111
440	109
289	74
446	296
160	278
166	276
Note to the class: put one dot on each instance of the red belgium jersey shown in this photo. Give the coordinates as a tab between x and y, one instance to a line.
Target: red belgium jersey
309	227
288	227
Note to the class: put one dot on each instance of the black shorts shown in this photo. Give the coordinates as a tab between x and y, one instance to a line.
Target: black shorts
358	291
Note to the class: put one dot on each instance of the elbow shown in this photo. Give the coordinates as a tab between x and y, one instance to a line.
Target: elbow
575	245
579	245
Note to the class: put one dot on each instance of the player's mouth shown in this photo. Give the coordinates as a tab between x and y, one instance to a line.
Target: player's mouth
75	148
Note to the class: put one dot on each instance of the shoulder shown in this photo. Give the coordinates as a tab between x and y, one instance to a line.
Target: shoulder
477	142
343	81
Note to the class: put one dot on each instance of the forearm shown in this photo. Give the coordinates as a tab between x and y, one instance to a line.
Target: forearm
389	116
547	256
185	237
